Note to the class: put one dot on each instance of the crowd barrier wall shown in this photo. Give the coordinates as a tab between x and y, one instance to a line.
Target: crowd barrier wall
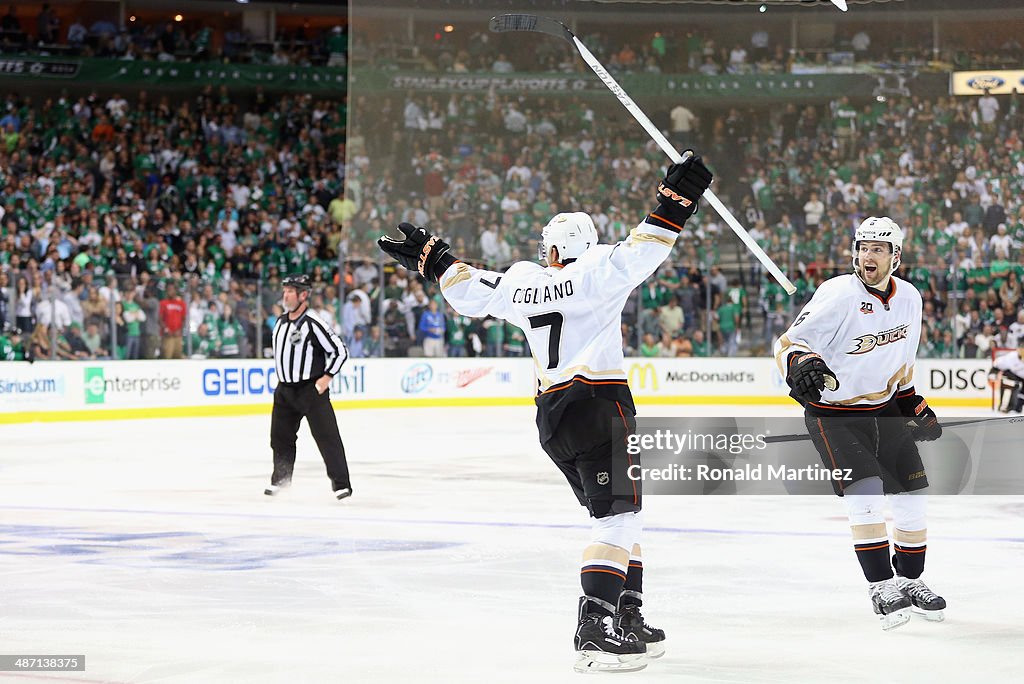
66	390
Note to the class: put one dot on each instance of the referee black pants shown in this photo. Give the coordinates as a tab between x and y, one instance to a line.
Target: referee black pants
292	403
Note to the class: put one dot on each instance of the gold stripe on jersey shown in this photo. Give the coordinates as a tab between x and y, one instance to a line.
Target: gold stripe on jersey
784	348
461	274
636	236
575	370
875	396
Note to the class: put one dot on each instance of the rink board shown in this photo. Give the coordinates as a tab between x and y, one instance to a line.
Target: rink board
59	391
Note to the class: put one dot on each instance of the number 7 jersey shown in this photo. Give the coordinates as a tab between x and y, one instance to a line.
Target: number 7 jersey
571	315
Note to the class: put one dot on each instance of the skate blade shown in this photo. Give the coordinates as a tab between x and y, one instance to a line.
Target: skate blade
930	615
655	649
590	662
895	619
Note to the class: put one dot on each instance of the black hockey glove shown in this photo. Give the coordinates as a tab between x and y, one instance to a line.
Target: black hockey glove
926	424
678	192
808	375
419	251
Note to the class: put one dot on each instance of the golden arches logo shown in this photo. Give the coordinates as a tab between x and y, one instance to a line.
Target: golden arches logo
639	373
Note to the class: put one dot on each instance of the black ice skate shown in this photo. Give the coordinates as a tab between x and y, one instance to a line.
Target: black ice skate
342	493
601	647
890	604
925	602
631	623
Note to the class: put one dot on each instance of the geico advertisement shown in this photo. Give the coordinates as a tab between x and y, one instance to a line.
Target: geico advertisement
699	376
469	377
242	382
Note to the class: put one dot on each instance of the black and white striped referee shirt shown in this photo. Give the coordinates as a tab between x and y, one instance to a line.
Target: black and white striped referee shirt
306	348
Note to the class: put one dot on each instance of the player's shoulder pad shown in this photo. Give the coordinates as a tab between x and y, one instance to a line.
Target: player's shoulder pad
595	253
521	268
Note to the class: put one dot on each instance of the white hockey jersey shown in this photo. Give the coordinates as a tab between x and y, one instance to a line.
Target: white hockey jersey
869	340
571	315
1010	361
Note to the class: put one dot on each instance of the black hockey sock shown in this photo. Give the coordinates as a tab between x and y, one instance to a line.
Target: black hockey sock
909	557
874	560
632	590
602	581
909	563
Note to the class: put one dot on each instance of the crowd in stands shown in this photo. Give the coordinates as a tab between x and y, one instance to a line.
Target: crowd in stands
169	41
145	228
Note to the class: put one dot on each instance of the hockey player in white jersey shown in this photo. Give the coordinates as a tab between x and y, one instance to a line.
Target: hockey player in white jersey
1007	374
570	311
849	360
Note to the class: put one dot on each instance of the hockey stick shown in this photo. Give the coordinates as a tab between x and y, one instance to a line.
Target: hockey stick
956	423
506	23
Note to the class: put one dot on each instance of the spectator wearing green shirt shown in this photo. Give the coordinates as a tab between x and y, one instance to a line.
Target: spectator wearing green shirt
458	327
337	46
205	343
12	348
653	295
495	335
515	342
701	346
134	317
231	334
728	326
649	346
94	341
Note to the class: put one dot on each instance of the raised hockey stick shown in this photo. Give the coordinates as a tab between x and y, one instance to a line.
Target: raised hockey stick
800	437
506	23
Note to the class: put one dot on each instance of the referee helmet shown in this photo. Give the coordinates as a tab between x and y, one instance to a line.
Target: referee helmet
300	281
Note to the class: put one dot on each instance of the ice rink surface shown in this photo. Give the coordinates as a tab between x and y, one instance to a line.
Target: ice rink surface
149	547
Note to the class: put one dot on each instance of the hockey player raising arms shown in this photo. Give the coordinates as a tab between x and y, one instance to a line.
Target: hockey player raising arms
849	360
570	311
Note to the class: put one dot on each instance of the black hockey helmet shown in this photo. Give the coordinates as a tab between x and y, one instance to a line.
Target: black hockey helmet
300	281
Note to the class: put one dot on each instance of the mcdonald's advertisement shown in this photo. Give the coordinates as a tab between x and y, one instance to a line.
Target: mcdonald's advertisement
714	377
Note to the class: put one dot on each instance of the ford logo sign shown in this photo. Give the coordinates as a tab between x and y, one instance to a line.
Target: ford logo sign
417	378
985	82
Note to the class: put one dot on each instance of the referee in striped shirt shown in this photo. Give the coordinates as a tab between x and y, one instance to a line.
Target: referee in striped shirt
307	354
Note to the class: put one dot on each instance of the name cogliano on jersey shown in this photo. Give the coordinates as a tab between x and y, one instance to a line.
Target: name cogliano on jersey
542	295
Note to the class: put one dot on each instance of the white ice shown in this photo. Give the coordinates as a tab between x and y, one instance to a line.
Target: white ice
149	547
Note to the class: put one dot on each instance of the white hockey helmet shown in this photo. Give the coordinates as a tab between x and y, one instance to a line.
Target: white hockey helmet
573	233
879	229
